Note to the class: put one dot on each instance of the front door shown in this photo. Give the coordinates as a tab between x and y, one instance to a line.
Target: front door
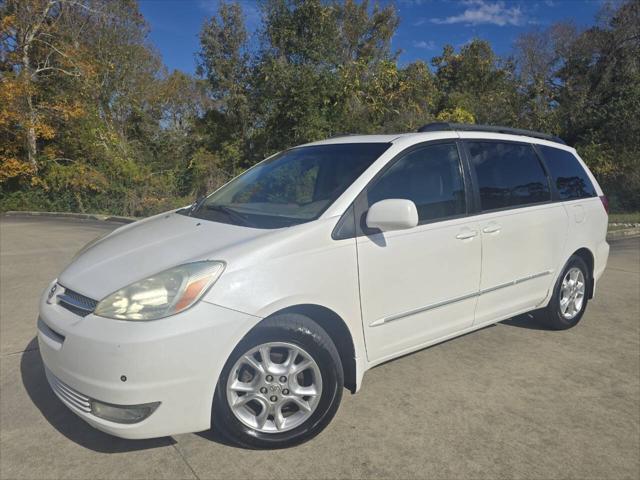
421	284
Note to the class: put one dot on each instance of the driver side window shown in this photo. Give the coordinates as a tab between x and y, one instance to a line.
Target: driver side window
431	177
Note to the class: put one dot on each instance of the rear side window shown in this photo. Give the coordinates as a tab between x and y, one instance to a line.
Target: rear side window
430	177
508	175
570	178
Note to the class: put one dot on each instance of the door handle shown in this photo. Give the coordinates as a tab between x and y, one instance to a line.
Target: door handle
466	235
492	229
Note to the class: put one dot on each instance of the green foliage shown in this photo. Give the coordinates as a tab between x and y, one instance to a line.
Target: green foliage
632	217
457	114
476	81
99	125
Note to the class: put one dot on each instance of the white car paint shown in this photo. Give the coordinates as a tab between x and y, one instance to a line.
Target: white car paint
429	259
393	291
516	246
393	214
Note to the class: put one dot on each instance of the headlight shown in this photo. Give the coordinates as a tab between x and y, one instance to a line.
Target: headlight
163	294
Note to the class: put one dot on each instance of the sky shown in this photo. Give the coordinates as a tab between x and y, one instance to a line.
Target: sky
425	25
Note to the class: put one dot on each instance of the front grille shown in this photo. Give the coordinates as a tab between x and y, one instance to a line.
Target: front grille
76	302
68	394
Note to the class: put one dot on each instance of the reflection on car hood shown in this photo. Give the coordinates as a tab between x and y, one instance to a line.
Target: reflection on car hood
138	250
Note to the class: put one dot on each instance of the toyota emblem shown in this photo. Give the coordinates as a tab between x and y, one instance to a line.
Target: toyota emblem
52	292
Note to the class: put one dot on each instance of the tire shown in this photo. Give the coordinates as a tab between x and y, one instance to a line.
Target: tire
557	316
286	336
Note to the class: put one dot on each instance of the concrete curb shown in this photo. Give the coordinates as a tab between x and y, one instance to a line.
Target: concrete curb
623	233
80	216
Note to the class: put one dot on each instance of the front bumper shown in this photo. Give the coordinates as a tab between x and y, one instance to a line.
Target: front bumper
175	361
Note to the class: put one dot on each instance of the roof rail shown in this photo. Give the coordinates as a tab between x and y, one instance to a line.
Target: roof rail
338	135
439	126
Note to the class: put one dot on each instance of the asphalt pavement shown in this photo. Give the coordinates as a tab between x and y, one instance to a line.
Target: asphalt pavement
510	401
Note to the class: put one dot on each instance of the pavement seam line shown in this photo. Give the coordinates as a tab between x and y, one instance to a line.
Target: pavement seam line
193	472
620	270
21	351
185	461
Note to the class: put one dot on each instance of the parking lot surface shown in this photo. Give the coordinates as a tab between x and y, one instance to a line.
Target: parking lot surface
510	401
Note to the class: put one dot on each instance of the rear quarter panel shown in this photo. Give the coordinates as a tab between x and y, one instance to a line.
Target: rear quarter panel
588	224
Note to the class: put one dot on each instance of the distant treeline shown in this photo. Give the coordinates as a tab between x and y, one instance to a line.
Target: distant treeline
91	120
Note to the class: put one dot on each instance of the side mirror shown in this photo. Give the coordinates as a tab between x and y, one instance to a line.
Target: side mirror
392	214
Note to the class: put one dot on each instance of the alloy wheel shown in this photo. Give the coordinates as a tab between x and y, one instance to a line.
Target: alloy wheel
572	293
274	387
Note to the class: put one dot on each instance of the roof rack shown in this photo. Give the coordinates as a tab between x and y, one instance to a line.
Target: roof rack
338	135
439	126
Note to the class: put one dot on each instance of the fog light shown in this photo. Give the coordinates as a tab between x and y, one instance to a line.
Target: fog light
123	413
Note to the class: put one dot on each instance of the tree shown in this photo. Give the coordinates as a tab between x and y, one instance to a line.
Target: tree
539	55
224	61
324	68
477	82
84	117
600	101
36	46
90	119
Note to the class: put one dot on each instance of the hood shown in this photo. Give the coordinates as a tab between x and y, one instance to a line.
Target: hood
138	250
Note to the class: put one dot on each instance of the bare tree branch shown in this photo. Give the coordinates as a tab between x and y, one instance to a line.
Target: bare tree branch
56	69
53	47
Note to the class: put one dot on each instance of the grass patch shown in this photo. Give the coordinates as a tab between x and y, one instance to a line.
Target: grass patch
615	228
633	217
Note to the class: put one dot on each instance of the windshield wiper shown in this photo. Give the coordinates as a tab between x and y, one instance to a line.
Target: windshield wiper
196	205
229	212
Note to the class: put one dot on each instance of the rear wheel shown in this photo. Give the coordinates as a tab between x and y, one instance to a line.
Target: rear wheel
281	385
570	295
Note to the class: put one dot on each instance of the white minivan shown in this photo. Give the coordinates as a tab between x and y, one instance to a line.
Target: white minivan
250	311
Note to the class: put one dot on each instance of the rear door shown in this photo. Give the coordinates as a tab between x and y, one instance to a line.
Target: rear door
523	232
419	285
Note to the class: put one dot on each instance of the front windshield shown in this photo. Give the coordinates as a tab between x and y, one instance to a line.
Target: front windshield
293	187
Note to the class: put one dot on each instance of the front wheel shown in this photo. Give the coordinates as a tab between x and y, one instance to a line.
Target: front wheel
281	385
570	295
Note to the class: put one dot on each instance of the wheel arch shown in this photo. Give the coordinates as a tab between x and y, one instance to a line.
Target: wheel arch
337	329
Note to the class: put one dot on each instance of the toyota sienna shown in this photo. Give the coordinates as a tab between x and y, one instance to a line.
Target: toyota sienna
251	310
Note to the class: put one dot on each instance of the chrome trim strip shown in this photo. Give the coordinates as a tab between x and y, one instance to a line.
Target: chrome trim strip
398	316
67	394
497	287
64	298
72	394
536	275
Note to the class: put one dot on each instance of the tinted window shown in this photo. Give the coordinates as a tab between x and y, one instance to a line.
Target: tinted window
570	178
293	187
508	175
430	177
